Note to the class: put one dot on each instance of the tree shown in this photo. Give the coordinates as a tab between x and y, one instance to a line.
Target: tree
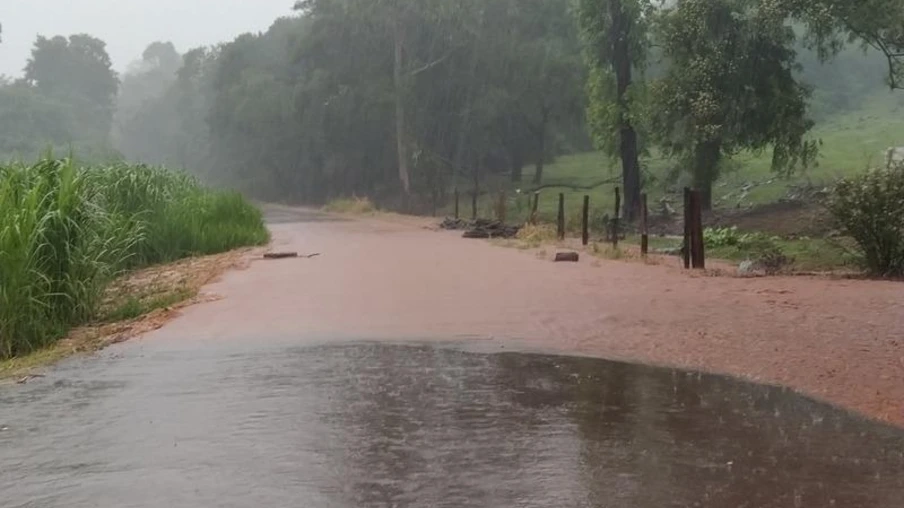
31	122
399	22
78	72
730	86
140	110
545	73
616	40
878	24
323	104
163	57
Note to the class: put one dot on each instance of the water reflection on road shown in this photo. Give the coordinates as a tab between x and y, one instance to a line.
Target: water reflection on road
392	425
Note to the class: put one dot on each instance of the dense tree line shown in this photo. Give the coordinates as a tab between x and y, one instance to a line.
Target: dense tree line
404	101
66	96
401	100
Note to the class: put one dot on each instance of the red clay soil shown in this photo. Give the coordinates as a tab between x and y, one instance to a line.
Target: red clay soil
838	340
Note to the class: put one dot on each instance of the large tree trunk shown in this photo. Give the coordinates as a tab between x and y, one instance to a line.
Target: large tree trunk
706	169
541	147
401	145
621	62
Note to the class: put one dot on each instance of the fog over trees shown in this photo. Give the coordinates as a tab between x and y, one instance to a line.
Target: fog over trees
405	101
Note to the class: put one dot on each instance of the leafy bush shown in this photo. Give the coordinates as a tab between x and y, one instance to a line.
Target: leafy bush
536	235
67	231
723	237
870	208
764	250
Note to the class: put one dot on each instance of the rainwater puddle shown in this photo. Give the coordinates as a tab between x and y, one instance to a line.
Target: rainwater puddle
377	425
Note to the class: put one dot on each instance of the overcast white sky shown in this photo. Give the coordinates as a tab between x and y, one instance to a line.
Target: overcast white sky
128	26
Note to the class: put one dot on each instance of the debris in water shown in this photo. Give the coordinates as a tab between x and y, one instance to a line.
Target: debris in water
481	228
289	255
27	378
280	255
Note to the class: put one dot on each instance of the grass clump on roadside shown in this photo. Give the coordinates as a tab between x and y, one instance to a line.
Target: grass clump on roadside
776	253
351	206
67	231
535	235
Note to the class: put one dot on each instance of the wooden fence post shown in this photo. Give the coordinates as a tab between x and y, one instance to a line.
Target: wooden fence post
698	255
615	219
686	247
585	222
644	226
561	219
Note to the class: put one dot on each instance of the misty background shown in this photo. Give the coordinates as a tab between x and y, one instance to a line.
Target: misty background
129	26
376	99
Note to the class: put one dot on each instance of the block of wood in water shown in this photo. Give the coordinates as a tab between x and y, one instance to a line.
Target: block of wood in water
567	257
280	255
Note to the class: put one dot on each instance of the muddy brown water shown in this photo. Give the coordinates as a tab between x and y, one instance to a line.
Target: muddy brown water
266	398
272	423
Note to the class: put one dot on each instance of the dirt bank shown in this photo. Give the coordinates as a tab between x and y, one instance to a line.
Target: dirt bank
136	303
839	340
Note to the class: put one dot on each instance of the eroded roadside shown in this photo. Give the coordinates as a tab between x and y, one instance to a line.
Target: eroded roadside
135	304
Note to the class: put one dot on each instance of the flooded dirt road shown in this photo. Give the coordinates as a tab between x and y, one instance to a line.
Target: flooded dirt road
839	340
407	368
263	423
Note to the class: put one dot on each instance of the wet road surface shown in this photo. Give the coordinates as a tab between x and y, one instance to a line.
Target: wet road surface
390	278
276	423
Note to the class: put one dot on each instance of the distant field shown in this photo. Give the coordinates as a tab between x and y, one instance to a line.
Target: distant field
851	142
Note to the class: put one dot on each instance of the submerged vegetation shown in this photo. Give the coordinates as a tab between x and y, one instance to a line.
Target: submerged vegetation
67	231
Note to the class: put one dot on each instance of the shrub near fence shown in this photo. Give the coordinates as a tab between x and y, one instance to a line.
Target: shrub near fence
67	231
870	208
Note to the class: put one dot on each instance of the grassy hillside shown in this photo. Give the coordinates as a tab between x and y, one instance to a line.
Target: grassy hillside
851	142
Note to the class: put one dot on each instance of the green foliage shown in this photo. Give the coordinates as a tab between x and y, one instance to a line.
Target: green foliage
31	121
309	111
870	208
77	71
878	24
64	101
136	306
730	86
66	231
598	19
765	251
724	237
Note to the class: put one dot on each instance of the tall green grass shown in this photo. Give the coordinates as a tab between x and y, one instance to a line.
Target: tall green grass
66	231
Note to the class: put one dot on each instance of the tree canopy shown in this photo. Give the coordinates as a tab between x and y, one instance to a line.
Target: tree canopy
405	101
380	98
65	97
616	38
731	85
